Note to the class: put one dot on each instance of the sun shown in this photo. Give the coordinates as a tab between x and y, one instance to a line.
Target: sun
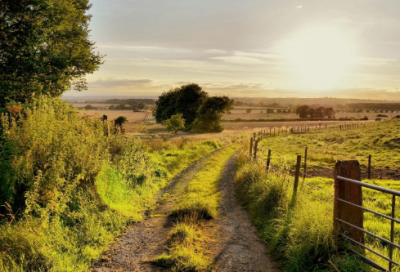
320	57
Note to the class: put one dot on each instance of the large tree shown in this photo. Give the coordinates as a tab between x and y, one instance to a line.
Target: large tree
44	48
186	100
211	112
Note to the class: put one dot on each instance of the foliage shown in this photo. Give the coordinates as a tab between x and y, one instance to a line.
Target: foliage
74	185
89	107
211	112
186	99
175	123
320	112
120	121
45	48
48	152
248	110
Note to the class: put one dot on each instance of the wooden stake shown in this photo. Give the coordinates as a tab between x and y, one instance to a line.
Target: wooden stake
352	193
297	174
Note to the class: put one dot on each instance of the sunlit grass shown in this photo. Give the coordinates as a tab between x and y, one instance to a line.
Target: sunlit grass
198	202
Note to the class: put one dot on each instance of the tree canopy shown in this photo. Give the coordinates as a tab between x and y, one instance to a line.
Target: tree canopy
175	123
200	112
211	112
320	112
186	99
45	48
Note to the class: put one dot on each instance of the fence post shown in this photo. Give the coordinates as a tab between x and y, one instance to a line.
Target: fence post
268	159
305	164
297	174
349	192
255	148
369	167
251	148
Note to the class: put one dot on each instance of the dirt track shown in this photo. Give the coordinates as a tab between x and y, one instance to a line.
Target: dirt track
232	240
148	238
240	248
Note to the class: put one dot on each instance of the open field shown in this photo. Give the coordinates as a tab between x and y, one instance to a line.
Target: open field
256	114
310	220
80	105
111	114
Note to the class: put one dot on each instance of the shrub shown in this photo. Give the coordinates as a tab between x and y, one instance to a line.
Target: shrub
175	123
46	154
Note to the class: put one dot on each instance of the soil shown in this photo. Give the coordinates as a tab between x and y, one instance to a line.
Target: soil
240	249
148	238
231	240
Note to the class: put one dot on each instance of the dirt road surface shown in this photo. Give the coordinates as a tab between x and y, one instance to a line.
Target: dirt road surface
240	247
148	238
232	240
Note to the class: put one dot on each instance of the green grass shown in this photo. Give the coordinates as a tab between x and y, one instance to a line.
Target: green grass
70	184
198	202
380	139
300	233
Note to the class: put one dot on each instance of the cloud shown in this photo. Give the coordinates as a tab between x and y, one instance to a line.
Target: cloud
299	7
112	83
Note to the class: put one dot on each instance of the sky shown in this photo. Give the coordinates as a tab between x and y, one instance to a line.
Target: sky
247	48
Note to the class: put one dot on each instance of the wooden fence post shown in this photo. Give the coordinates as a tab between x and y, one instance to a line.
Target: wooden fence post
255	148
251	148
297	174
268	159
348	192
369	167
305	164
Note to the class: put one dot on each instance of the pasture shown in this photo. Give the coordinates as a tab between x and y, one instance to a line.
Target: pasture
306	228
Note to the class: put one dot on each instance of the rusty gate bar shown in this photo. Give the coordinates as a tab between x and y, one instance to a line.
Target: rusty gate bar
368	210
392	231
391	243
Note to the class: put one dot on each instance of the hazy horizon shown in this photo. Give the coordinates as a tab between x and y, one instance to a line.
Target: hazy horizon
248	48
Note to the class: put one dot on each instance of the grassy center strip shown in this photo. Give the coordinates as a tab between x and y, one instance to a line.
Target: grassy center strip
198	203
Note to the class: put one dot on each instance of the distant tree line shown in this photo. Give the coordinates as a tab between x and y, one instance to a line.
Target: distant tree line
199	111
306	111
135	106
375	106
260	104
131	101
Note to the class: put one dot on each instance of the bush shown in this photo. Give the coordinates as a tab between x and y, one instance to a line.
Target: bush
175	123
46	154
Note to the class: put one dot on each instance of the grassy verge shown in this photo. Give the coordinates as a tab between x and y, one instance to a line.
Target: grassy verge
70	185
199	202
299	234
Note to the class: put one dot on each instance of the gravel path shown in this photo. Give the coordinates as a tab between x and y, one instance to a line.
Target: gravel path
240	248
148	238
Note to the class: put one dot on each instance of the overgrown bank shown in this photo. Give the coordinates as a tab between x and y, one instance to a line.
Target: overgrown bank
298	233
69	185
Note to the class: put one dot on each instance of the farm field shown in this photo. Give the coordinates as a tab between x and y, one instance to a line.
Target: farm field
256	114
325	147
132	117
135	120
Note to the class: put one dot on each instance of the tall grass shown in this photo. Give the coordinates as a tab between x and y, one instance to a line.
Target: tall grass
198	202
71	184
298	230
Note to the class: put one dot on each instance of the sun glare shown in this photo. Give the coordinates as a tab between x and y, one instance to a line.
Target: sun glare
320	57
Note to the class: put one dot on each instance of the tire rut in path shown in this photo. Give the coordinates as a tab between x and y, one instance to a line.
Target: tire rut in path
148	238
240	248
